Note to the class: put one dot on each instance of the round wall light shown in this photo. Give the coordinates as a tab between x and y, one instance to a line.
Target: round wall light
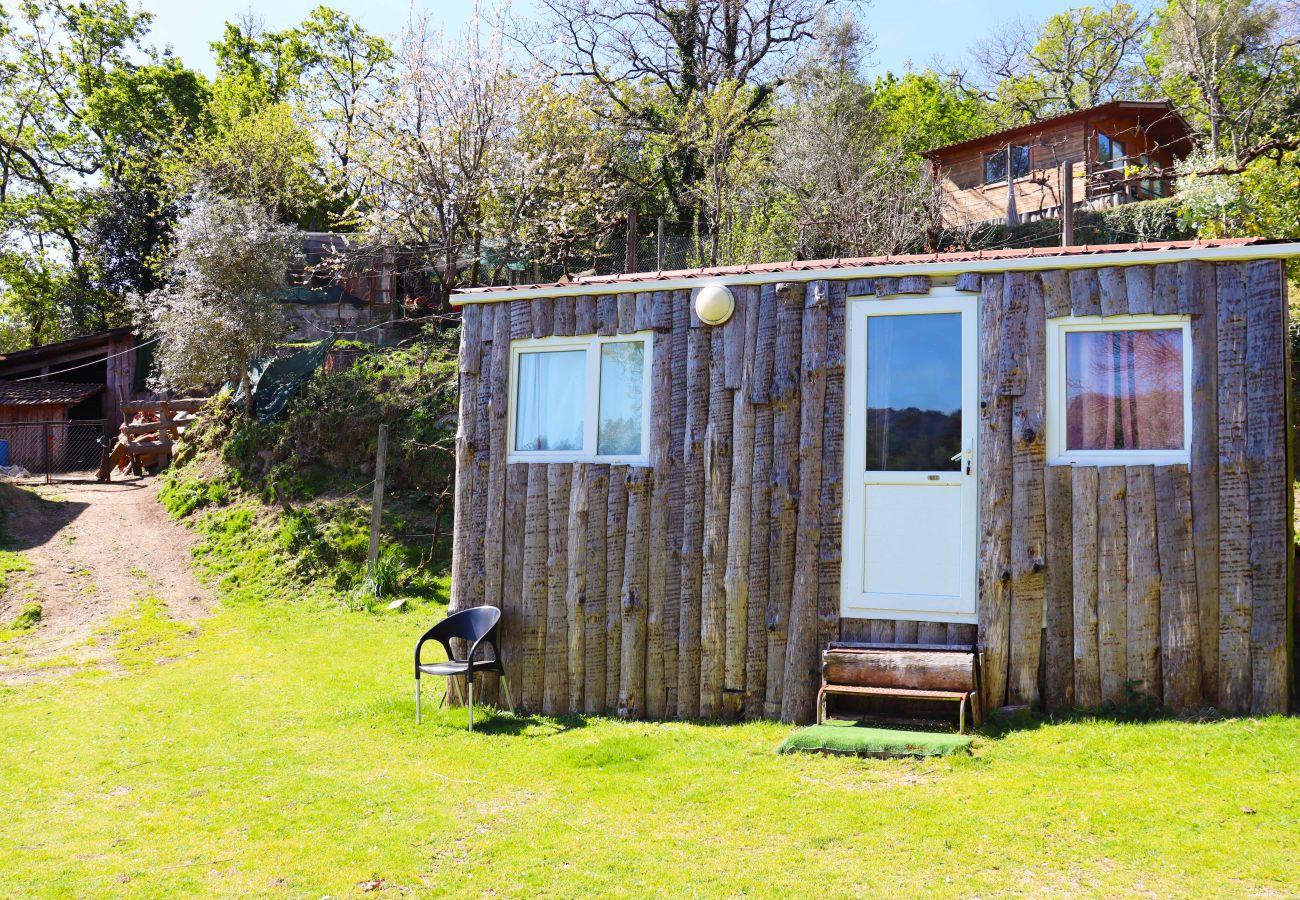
714	304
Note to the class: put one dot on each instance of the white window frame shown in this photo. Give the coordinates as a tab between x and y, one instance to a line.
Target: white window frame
1057	329
591	345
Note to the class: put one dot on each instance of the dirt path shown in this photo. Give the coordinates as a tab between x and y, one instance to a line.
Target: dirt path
95	551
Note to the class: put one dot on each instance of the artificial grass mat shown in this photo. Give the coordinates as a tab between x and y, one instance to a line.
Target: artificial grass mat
845	736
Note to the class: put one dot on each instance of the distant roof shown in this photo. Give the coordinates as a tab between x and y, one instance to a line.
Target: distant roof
45	393
89	343
918	262
1162	108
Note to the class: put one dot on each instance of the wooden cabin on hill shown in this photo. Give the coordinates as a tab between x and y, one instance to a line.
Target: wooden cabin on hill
681	488
1016	175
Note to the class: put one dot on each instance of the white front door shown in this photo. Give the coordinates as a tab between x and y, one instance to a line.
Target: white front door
910	517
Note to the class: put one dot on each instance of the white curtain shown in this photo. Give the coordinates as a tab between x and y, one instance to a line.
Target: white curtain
549	405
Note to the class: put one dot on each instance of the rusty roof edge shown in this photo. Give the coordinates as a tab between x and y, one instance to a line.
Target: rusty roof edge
1059	120
1224	250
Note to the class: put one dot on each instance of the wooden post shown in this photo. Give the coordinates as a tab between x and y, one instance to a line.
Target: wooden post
995	484
1235	589
659	244
1112	582
576	595
377	499
717	495
799	681
629	263
692	555
1083	534
1143	618
785	398
555	690
1067	204
760	497
534	588
632	600
164	435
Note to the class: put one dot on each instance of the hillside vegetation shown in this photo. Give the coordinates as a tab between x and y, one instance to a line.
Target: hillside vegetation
284	509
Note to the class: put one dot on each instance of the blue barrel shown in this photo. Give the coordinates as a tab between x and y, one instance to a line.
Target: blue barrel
4	453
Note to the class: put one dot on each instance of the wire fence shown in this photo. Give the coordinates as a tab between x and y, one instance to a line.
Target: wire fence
33	452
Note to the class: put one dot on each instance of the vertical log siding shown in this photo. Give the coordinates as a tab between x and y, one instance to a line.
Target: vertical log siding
707	583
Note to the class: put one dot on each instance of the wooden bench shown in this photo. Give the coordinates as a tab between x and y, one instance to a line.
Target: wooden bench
904	672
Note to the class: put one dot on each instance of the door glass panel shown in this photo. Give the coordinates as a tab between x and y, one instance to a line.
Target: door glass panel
914	393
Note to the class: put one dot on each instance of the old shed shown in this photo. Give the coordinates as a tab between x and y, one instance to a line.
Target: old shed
1073	458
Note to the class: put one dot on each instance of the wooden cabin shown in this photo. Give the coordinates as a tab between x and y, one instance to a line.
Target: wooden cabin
1073	459
110	359
977	177
35	418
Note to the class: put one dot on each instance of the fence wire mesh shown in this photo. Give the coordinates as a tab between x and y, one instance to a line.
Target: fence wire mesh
51	451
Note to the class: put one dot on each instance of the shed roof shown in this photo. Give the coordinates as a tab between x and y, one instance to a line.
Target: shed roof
917	263
1163	109
45	393
89	343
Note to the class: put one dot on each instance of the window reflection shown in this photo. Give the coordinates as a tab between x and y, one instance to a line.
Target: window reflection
1124	390
914	387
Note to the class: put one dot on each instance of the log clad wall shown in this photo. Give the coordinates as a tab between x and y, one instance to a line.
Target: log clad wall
706	583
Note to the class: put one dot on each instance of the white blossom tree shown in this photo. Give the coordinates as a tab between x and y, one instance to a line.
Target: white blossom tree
217	314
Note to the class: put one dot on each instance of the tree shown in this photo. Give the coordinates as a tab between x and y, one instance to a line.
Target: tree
559	194
431	151
86	109
328	68
1232	65
1076	59
253	151
848	163
660	62
216	316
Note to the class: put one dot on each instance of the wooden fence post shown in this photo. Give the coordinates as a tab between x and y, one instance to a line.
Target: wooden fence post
1067	204
377	501
164	435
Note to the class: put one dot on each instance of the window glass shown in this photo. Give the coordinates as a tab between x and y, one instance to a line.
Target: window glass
1019	160
995	164
1124	390
914	382
549	404
1110	150
622	367
995	167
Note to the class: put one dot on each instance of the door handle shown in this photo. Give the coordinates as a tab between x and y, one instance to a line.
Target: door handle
965	454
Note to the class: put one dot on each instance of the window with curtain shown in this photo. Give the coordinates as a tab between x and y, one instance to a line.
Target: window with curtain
549	404
1125	389
581	398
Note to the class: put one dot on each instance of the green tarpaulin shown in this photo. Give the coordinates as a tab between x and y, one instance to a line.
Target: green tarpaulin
275	381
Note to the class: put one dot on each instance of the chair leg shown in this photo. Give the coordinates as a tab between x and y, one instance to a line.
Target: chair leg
417	701
469	682
505	689
454	681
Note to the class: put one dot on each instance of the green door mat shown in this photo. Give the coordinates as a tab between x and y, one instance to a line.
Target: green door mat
842	736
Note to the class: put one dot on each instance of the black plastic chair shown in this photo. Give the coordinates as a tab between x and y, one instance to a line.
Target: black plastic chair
476	625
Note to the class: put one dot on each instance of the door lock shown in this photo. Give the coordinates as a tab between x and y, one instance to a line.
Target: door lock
964	455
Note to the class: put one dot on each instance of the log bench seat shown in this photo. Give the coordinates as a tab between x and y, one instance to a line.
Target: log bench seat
904	672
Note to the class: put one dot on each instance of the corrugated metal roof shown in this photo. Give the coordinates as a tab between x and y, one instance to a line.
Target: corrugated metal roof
861	262
45	393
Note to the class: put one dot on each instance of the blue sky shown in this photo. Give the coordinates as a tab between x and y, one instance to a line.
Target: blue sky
915	30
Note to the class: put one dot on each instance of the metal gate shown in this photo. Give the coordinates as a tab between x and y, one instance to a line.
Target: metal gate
51	451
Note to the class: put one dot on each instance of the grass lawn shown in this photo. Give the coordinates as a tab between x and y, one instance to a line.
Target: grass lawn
273	751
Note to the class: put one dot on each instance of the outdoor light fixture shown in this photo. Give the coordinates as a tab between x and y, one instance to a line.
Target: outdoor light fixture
714	304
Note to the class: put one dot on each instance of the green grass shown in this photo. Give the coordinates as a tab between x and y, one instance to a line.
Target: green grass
273	751
281	757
